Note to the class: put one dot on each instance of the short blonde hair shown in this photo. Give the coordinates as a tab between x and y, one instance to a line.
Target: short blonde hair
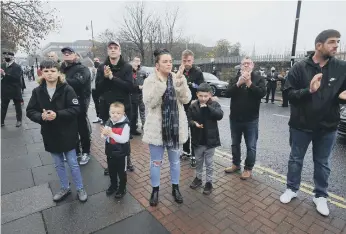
187	53
118	105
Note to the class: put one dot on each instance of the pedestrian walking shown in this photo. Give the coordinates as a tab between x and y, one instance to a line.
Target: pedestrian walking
164	94
194	78
117	133
114	83
316	86
55	106
203	115
135	95
78	77
246	92
272	79
11	86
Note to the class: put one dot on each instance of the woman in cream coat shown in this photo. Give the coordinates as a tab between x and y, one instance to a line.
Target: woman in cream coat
166	126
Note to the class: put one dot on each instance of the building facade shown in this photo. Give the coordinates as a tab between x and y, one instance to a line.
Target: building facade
82	47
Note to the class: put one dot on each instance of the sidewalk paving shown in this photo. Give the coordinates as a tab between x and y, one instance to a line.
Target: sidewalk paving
235	206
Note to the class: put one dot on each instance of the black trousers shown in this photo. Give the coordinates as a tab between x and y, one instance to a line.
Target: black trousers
96	99
84	133
272	90
4	106
134	117
284	98
117	169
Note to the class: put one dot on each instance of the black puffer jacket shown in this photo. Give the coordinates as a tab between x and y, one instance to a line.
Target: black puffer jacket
120	87
79	78
59	135
320	110
209	118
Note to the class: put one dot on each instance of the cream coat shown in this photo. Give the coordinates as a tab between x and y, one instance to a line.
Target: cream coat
153	90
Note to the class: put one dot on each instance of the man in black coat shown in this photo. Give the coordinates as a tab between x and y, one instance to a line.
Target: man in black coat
114	83
11	85
79	78
136	94
272	79
194	78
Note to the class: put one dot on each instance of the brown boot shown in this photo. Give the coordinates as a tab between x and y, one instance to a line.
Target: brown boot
232	169
246	175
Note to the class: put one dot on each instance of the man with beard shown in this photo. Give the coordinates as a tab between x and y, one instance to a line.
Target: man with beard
246	92
136	97
94	93
114	83
316	86
194	78
11	85
78	76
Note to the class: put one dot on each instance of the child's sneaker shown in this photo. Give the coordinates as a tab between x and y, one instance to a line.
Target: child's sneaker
196	183
120	193
111	190
193	162
208	188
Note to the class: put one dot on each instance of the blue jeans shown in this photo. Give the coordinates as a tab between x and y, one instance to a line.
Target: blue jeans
73	164
156	158
322	145
250	131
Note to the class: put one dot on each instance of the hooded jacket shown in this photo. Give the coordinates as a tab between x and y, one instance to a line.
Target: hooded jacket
79	78
320	110
11	82
59	135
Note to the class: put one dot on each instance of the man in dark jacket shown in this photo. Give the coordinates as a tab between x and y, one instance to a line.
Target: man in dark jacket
11	85
78	76
194	78
136	93
316	86
246	92
272	79
114	83
284	93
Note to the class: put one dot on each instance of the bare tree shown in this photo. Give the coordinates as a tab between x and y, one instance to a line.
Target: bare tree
171	33
25	23
135	27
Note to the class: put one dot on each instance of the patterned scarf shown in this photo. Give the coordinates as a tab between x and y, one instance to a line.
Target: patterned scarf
170	116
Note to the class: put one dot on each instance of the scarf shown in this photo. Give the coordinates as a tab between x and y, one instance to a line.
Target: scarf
170	116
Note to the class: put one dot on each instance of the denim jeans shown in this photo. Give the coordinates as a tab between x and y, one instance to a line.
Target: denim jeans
156	158
322	145
73	164
250	131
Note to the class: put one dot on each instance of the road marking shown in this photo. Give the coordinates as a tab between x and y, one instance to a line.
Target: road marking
285	116
305	187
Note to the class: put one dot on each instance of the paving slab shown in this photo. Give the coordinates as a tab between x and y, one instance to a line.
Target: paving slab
25	202
11	150
17	163
31	224
143	223
98	212
14	181
46	158
45	174
35	148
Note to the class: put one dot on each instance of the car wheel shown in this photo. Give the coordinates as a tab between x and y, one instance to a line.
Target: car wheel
213	90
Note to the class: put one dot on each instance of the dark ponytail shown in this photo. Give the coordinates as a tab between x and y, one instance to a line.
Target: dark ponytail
158	53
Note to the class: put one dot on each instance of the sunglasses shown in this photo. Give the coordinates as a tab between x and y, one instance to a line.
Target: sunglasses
67	52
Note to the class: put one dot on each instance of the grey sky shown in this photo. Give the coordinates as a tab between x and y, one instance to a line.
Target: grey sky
267	24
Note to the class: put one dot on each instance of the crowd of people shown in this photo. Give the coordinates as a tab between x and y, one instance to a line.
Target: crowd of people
178	114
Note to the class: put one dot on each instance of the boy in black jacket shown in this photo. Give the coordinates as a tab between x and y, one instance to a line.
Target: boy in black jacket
117	134
54	105
203	116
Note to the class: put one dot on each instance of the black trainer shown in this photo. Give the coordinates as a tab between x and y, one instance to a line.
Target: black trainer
120	193
135	133
106	172
208	188
111	190
196	183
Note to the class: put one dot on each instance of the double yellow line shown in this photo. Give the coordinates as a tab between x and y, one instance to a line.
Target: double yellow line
304	187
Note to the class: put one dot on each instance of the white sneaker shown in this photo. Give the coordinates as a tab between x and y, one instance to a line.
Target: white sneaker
287	196
97	120
321	205
84	159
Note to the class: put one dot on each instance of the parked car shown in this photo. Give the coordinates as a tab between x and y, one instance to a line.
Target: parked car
342	124
144	71
219	87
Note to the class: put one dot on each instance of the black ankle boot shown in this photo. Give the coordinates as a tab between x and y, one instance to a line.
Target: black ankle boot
154	198
176	193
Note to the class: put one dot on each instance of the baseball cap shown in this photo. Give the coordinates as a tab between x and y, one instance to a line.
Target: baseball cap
113	43
67	48
8	53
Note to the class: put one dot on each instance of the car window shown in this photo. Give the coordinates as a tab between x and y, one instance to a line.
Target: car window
209	77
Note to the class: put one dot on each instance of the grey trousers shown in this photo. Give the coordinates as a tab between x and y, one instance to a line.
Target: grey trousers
202	153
